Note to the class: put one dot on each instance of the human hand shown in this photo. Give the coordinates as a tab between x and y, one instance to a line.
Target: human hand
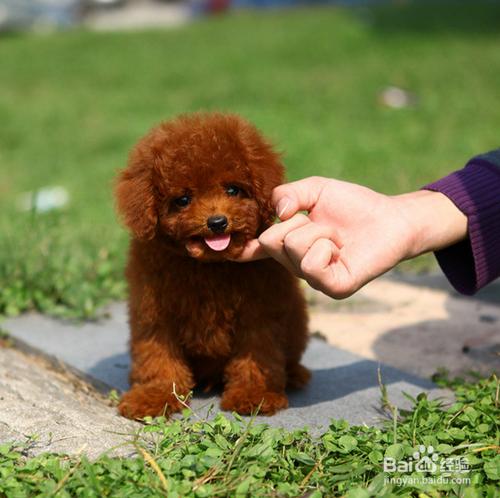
352	234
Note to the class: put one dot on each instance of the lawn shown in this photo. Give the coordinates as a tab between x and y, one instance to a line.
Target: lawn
230	457
72	104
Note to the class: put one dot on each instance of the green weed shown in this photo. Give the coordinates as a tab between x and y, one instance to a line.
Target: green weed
227	456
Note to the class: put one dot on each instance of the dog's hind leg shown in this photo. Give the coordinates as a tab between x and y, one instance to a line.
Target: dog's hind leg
297	376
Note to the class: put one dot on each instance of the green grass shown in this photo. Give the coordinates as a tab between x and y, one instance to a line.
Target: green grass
72	104
230	457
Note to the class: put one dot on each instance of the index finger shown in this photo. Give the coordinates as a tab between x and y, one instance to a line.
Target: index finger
301	195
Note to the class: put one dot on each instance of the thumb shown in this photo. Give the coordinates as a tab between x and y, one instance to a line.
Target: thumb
251	252
301	195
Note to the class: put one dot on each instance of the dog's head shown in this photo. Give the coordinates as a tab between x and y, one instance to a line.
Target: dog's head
202	183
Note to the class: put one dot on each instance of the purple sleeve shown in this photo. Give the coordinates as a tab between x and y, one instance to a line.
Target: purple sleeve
475	190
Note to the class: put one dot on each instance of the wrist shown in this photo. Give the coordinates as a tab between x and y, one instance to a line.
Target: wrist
433	222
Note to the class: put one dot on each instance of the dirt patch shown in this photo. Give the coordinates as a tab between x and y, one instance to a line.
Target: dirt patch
414	328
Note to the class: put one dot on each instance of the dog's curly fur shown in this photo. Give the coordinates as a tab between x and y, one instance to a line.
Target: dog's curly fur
196	317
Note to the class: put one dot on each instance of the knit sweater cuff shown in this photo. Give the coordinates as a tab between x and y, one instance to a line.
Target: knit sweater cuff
471	264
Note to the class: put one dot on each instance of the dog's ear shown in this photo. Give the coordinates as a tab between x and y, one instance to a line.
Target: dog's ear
267	175
266	170
136	201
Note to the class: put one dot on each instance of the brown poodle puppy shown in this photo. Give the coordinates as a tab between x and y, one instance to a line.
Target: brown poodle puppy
194	191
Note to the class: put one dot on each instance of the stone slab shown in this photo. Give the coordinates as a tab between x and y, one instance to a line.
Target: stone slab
53	411
343	384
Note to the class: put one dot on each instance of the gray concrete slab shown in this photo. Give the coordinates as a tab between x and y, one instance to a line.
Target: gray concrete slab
98	349
343	385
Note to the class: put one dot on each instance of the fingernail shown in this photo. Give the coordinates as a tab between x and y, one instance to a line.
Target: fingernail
282	206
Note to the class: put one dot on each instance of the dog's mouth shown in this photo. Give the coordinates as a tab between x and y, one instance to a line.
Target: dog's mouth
198	245
218	242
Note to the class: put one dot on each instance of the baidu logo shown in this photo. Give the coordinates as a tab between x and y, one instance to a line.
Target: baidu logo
426	461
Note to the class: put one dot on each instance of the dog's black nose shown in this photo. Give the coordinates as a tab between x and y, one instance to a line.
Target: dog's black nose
217	223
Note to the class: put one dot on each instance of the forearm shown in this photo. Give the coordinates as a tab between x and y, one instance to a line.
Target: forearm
457	217
433	222
475	190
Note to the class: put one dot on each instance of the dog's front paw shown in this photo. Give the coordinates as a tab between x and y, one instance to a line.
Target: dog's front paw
246	401
148	400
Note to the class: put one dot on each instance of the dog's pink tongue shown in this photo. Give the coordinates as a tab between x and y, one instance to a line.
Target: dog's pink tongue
219	242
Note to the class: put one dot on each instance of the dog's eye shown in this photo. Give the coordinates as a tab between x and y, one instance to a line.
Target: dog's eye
182	201
233	190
